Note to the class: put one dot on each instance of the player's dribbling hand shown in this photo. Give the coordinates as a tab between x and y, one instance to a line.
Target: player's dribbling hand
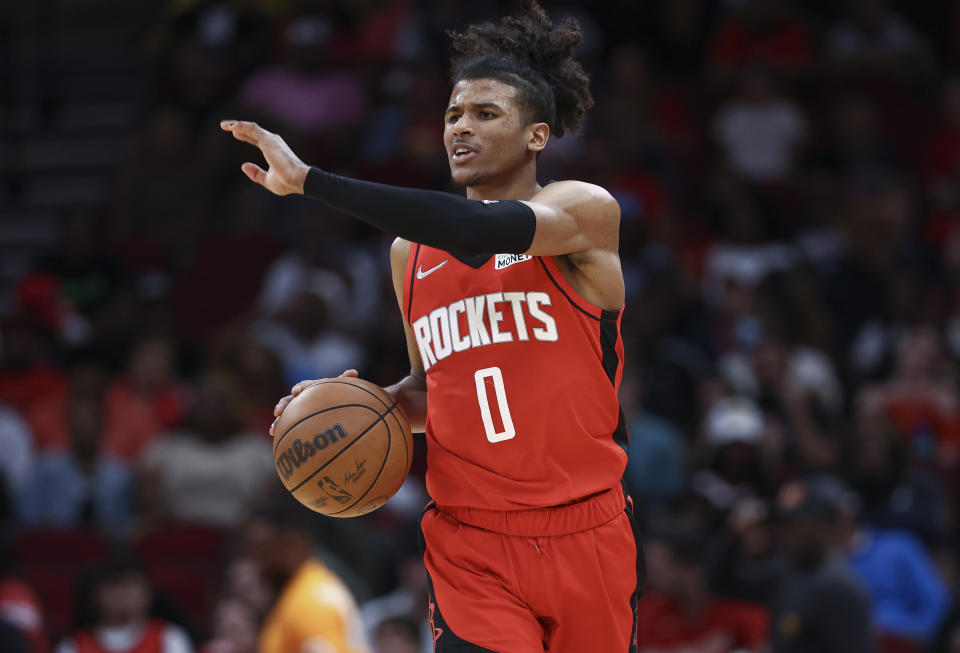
297	389
285	173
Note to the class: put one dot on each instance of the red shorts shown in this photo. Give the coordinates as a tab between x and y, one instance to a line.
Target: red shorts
563	579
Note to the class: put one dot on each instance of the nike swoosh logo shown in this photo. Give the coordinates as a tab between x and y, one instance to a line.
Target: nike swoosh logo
421	274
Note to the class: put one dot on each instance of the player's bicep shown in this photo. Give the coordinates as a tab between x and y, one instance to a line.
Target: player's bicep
574	217
399	253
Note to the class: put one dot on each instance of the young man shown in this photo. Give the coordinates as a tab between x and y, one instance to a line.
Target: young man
314	611
511	299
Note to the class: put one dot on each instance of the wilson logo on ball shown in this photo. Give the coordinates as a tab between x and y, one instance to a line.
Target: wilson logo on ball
303	450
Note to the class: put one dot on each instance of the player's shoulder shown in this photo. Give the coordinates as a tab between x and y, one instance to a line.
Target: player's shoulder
572	194
399	253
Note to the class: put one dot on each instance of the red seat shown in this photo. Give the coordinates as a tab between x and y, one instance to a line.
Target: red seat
51	561
183	561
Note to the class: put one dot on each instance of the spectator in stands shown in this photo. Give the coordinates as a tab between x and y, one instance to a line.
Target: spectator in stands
656	463
760	131
398	635
326	263
768	31
212	470
792	388
117	599
874	288
873	38
86	275
736	454
17	462
314	610
679	612
820	605
258	374
82	485
408	602
49	414
920	397
792	355
895	492
748	564
908	596
147	401
303	90
27	371
307	339
21	613
234	627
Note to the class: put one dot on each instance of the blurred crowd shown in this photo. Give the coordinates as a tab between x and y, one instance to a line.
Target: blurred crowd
789	179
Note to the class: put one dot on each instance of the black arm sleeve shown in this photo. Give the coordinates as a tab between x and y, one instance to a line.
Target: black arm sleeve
460	226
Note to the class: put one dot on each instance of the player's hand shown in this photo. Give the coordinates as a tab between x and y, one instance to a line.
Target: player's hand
286	172
294	391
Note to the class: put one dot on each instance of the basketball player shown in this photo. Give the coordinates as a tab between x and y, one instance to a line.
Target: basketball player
511	299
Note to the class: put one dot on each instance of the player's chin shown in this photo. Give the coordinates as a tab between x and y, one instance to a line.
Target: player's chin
464	176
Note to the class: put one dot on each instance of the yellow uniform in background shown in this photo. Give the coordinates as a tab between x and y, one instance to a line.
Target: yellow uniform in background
315	614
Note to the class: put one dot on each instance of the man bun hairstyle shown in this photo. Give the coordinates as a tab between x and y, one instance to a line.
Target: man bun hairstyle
533	55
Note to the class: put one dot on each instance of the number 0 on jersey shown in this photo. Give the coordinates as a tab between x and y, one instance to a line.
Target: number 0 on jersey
496	376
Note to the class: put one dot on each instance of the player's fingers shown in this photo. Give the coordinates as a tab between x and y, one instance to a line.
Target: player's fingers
352	373
244	130
278	409
273	426
255	172
300	387
245	139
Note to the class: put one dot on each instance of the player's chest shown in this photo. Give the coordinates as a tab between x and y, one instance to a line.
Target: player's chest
456	307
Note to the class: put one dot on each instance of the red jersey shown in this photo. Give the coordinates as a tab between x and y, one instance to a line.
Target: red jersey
522	376
151	641
723	627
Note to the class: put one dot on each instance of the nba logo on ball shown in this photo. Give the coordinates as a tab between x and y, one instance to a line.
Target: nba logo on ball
343	447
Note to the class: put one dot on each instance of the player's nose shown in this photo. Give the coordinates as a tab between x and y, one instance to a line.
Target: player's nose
463	127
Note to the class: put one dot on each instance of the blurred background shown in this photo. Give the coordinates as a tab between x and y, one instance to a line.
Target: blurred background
789	177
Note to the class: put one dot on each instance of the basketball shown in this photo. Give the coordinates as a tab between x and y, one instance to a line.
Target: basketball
343	447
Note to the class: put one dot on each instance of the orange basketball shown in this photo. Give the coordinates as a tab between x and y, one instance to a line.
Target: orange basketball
342	447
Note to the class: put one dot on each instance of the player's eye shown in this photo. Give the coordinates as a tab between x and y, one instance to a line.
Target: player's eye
452	117
486	115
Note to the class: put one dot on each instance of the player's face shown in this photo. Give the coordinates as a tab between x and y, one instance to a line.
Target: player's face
485	133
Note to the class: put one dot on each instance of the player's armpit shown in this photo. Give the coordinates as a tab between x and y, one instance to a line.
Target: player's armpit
572	217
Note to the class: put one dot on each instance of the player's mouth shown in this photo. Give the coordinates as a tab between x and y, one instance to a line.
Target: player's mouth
462	153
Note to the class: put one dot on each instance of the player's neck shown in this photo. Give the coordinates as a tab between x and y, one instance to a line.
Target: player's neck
521	186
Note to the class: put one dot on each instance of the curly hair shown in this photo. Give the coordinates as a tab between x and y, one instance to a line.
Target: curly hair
533	55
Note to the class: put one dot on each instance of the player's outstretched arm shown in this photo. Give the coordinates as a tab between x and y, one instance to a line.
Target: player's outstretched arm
442	220
563	218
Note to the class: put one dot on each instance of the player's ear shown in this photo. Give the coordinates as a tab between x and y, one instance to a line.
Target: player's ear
539	135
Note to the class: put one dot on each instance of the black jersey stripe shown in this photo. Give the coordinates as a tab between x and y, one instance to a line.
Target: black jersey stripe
413	273
641	575
609	334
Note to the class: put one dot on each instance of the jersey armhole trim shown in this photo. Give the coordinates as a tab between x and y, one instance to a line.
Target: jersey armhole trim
411	269
568	291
